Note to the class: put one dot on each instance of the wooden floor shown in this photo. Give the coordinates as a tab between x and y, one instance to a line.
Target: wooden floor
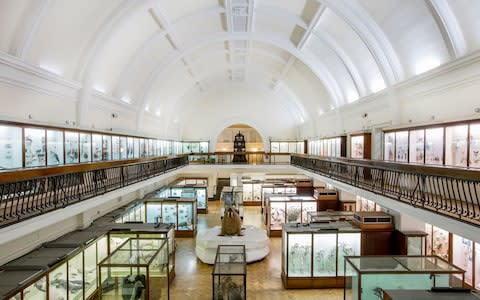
194	280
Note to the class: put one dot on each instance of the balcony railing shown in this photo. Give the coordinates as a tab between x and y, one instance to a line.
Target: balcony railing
252	158
448	191
28	193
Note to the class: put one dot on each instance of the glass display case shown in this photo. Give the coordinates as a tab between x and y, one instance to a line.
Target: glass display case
138	269
229	275
115	147
287	188
462	256
456	140
474	160
54	147
35	147
123	147
357	147
106	147
180	212
287	209
232	196
252	193
71	147
367	276
417	146
411	242
313	254
85	147
96	147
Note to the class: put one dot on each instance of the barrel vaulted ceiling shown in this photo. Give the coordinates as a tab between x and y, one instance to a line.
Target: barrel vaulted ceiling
156	55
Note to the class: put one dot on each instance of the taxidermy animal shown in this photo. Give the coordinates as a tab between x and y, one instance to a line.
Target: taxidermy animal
231	223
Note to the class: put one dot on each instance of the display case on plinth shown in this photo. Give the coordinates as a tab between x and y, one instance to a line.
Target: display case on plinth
138	269
287	209
229	275
180	212
377	232
313	254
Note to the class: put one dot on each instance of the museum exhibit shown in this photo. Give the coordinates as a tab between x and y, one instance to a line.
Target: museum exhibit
239	149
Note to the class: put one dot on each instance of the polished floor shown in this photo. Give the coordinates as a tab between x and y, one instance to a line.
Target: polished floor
194	280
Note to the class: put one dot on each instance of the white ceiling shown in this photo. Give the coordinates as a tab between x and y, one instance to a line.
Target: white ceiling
157	55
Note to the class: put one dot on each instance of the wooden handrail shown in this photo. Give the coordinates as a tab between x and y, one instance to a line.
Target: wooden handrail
433	170
7	176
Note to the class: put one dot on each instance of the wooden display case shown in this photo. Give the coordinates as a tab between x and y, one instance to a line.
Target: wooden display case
327	199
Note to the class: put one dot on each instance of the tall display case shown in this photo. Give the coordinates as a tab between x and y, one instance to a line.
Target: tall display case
119	233
284	188
229	275
138	269
411	242
367	276
198	193
360	146
180	212
287	209
313	255
252	193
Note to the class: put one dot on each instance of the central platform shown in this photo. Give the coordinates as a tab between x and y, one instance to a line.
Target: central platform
255	240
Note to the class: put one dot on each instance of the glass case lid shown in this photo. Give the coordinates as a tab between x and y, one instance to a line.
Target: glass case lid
135	252
12	280
229	269
279	199
161	228
78	238
44	257
340	227
392	264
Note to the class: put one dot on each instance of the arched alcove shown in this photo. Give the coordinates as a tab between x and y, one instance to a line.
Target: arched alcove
253	139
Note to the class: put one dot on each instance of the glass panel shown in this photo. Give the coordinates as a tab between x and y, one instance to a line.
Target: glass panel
325	255
34	147
58	283
456	145
136	148
71	147
203	147
10	147
85	147
434	146
307	207
185	216
348	245
102	248
130	147
90	269
123	147
474	146
201	195
247	192
294	213
54	147
299	255
275	147
401	146
97	147
292	147
462	256
196	147
36	291
277	215
417	144
115	147
440	243
389	146
143	148
169	213
106	147
415	245
283	147
75	277
372	284
151	147
338	141
357	146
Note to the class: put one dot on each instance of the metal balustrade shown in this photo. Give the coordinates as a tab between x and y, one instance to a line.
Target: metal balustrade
451	192
253	158
24	194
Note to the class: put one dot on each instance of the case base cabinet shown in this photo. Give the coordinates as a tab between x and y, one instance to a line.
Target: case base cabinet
312	283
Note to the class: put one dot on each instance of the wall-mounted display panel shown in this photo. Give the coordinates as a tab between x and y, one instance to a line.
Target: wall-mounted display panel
96	147
10	147
106	147
401	146
389	146
357	148
462	257
85	147
115	147
474	160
